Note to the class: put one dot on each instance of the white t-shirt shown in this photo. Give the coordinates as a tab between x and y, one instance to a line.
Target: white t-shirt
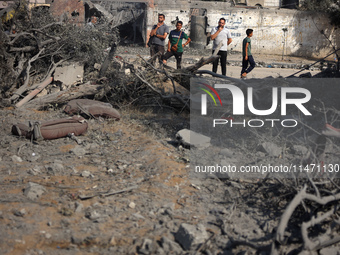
223	36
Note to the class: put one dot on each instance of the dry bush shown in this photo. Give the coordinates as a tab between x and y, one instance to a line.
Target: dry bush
40	41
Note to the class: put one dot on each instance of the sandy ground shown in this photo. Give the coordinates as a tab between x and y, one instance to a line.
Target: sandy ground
266	64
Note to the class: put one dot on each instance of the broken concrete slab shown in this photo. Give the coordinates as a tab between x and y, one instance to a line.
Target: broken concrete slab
189	138
69	73
191	236
34	191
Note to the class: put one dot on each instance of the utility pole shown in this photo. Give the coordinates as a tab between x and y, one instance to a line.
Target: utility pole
284	40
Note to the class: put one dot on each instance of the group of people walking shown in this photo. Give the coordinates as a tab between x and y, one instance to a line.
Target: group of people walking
220	35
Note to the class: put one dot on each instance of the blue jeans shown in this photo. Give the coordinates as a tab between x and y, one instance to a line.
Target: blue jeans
245	64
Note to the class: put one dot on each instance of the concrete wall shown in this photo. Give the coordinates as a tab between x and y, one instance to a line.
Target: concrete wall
302	38
272	3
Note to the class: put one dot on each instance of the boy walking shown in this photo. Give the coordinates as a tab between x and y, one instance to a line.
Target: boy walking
175	44
247	56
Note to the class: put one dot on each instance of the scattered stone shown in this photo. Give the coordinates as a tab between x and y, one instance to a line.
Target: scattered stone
16	159
69	73
138	216
270	148
112	241
93	215
300	149
78	151
226	152
85	174
34	191
66	211
329	251
20	213
34	171
79	207
191	236
54	168
97	66
132	205
170	246
146	247
190	138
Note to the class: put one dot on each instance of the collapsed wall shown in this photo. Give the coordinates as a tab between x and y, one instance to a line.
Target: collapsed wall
276	31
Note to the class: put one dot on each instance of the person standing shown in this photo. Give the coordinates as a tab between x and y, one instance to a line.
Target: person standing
221	34
175	44
247	57
157	37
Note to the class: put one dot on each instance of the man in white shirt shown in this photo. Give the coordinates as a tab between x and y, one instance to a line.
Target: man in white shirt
221	34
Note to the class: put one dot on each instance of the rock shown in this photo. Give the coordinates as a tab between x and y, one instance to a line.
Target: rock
132	205
34	191
329	251
85	174
226	152
36	170
79	207
138	216
55	168
192	139
78	151
113	241
146	247
270	148
300	149
170	247
16	159
20	213
69	73
97	66
190	236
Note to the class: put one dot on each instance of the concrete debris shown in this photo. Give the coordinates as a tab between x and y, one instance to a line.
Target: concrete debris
191	236
270	148
16	158
300	150
69	74
34	191
132	205
190	138
171	246
20	213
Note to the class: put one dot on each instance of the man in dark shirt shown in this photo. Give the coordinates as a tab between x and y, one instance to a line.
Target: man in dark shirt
176	38
157	37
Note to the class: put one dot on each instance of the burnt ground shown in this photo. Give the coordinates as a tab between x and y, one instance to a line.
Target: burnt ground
126	189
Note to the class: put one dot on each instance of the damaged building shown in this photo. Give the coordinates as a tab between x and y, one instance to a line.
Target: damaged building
128	17
279	28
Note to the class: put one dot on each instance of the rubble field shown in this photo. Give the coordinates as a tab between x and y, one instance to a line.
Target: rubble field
124	187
